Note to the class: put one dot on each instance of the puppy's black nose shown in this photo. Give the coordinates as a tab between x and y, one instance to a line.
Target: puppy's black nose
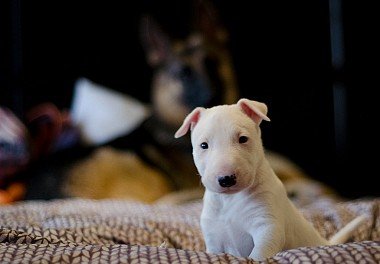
227	181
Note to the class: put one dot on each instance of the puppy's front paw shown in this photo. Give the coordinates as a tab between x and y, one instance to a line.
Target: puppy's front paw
258	257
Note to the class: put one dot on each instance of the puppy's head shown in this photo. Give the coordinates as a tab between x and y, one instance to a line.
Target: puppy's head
226	143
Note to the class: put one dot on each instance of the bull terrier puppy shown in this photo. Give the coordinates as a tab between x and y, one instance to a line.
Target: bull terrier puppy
246	210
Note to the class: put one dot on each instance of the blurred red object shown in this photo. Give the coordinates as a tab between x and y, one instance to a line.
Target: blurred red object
50	130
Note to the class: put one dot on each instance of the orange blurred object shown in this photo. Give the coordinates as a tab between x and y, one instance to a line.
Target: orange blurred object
14	192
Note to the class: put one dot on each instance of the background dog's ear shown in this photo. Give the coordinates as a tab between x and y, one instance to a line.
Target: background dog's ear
154	41
255	110
189	122
208	22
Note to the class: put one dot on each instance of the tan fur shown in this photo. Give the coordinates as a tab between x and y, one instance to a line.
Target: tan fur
109	173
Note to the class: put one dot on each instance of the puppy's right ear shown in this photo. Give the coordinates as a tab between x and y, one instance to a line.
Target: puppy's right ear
255	110
190	121
154	41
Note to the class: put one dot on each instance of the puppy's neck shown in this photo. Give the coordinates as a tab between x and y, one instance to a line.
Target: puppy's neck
264	175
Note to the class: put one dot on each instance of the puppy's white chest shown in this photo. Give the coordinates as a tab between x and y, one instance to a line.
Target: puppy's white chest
226	236
225	229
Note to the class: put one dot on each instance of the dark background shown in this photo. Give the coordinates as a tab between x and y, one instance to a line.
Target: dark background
313	63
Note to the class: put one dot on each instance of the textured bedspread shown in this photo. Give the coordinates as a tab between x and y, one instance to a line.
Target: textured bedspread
114	231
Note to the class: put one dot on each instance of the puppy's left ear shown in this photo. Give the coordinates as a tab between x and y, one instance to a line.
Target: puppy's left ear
189	123
255	110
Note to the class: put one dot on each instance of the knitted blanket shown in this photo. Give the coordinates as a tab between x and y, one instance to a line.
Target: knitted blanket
117	231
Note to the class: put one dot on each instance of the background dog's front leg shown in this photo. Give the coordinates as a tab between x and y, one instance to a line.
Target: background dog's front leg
268	240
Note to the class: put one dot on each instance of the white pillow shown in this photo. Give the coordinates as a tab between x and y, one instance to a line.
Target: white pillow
103	114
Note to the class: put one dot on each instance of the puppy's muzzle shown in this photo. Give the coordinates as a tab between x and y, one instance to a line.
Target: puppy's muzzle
227	181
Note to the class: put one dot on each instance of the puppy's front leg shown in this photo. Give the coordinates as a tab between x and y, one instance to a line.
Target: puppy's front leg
212	237
213	245
268	240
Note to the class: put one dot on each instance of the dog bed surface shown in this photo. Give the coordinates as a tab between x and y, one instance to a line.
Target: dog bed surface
117	231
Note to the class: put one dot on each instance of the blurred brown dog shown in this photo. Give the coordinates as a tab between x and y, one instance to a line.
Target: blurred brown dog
193	71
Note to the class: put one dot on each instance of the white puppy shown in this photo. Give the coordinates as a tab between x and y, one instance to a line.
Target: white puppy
246	210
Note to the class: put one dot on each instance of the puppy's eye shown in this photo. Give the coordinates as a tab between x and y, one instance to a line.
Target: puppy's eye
243	139
204	145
